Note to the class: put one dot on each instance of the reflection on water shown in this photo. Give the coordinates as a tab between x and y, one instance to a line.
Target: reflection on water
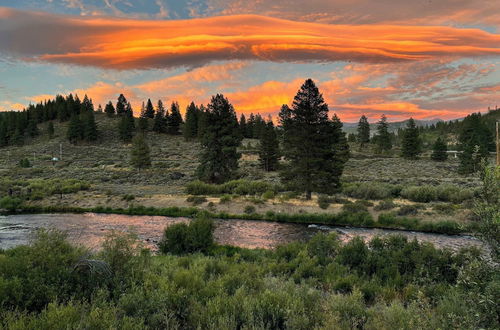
90	229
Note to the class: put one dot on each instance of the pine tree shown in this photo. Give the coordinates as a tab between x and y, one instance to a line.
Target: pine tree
89	126
99	109
220	141
126	125
439	150
269	152
340	145
475	142
50	130
309	144
75	129
140	153
243	126
143	119
121	105
363	131
109	109
160	122
174	119
190	129
202	121
3	133
383	137
87	105
32	128
411	146
150	111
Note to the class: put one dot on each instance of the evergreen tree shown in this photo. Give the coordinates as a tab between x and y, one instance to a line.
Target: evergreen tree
174	119
309	144
140	153
32	128
89	126
269	152
243	126
3	133
383	138
143	119
99	109
202	121
87	105
439	150
475	142
75	129
190	129
17	138
109	109
363	131
411	146
121	105
50	130
340	145
150	111
160	122
126	125
220	141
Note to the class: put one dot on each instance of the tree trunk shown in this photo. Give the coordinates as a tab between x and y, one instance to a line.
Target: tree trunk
308	195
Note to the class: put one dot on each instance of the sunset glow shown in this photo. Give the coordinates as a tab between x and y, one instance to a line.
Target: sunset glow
433	69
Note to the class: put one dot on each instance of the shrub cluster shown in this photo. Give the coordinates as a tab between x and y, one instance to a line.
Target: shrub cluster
238	187
387	283
180	238
445	193
371	190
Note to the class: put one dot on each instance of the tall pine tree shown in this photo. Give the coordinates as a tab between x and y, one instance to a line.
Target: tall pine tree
140	154
89	126
149	111
439	150
220	141
383	138
109	109
363	136
174	119
475	142
315	162
269	152
126	126
160	122
121	105
190	129
411	147
75	129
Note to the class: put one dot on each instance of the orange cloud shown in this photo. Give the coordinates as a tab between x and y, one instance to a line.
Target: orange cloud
141	44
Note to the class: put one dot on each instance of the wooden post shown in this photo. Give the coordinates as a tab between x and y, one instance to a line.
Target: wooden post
498	143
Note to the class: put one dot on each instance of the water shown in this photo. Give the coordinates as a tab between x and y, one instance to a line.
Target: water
90	229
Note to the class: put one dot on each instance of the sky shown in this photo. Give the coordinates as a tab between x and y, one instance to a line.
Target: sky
424	59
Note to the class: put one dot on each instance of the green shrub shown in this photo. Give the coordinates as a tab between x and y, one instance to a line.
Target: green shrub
249	209
451	193
196	200
408	210
128	197
355	207
25	163
421	194
269	194
444	208
225	199
370	190
323	201
385	205
197	236
10	203
239	187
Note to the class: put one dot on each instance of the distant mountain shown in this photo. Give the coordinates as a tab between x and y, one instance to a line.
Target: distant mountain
393	126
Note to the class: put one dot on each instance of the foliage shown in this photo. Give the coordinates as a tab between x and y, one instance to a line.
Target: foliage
190	129
140	153
220	140
25	163
411	144
324	201
439	150
383	138
269	151
475	141
197	236
315	147
363	136
239	187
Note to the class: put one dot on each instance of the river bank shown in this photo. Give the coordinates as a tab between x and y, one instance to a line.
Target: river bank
386	221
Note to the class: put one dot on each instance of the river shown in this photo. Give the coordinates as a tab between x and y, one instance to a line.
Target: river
90	229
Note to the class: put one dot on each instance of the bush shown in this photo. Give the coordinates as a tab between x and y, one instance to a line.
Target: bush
355	207
443	208
384	205
370	190
420	194
181	238
10	203
128	198
323	201
196	200
239	187
25	163
454	194
408	210
225	199
269	194
249	209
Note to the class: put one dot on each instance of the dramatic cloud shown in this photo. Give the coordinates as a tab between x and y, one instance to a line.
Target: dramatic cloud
139	44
